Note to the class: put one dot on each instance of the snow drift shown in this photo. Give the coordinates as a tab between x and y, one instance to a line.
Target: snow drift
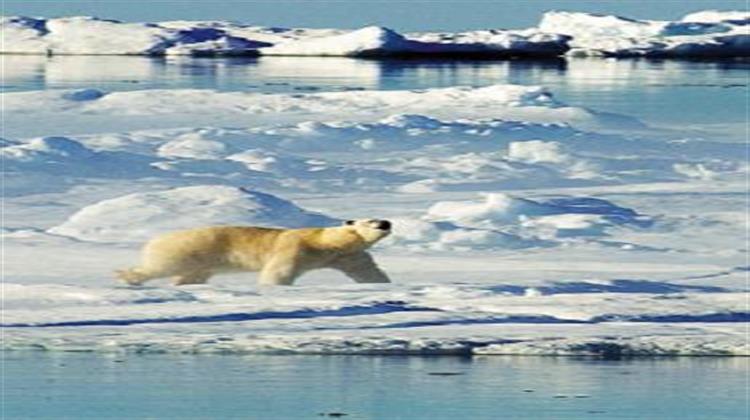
382	42
136	217
92	36
703	34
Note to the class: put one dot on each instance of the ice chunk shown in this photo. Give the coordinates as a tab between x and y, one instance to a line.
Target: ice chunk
379	41
416	234
369	41
554	218
707	34
23	35
733	16
536	151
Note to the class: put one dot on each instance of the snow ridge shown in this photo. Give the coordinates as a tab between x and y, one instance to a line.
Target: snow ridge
700	34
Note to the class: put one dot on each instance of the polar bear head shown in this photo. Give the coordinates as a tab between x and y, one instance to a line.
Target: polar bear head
371	230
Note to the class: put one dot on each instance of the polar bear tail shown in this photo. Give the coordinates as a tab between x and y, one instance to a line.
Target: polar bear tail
132	276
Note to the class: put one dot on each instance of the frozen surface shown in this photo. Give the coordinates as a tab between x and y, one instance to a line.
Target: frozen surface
376	41
90	35
700	34
183	208
523	224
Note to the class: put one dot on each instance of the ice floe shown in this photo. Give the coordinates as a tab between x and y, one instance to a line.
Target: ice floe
177	107
707	34
701	34
522	225
423	320
383	42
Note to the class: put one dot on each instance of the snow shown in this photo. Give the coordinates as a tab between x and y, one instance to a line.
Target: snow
717	16
167	108
90	35
425	320
367	41
522	224
23	35
182	208
85	35
377	41
700	34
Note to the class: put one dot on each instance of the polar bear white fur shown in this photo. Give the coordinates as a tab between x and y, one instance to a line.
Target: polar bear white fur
281	255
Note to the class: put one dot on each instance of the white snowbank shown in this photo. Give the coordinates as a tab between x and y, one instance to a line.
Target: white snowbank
88	35
524	138
23	35
94	36
519	43
537	151
703	34
377	41
369	41
396	319
559	217
416	234
177	107
717	16
52	163
136	217
707	33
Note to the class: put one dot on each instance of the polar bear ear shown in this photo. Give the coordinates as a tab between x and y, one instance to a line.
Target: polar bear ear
349	222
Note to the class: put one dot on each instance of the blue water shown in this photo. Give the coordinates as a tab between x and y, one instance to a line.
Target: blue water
659	92
90	385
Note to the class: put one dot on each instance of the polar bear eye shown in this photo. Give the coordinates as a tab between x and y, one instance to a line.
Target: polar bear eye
349	222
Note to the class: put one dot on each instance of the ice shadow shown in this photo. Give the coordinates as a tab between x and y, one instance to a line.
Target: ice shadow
612	286
376	308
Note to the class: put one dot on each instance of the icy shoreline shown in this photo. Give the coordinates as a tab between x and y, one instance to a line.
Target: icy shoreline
708	34
428	320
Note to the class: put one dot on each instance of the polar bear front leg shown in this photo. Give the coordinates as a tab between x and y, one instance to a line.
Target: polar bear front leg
280	270
361	267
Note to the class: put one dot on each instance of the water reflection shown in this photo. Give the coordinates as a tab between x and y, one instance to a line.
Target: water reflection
119	72
668	90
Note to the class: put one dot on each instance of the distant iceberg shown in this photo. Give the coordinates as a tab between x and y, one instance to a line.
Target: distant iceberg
701	34
82	35
376	41
90	35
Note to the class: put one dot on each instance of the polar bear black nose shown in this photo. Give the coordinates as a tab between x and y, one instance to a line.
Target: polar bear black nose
384	225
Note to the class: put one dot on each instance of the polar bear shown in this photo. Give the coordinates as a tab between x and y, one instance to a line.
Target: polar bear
281	255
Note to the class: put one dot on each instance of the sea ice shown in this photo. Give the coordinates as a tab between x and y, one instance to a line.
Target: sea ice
700	34
522	225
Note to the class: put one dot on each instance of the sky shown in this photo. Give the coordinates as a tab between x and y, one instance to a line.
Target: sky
405	15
